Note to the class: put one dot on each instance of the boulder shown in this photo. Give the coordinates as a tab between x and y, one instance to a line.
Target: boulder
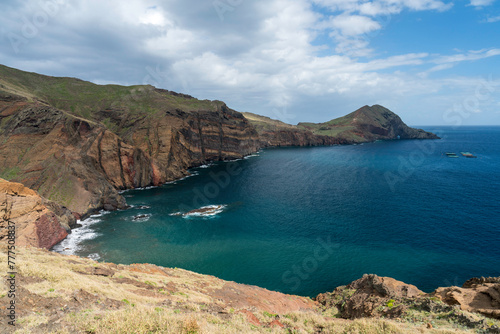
479	295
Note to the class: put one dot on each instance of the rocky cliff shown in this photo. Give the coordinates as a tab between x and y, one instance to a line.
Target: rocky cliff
79	144
30	220
383	297
366	124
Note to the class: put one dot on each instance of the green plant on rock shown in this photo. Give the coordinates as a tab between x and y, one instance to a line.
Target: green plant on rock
390	303
270	315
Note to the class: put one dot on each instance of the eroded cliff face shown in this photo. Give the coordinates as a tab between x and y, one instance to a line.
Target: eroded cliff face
366	124
82	164
177	140
36	221
297	137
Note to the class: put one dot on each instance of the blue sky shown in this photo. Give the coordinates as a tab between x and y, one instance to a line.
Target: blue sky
432	62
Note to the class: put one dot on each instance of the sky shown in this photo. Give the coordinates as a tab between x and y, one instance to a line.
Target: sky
432	62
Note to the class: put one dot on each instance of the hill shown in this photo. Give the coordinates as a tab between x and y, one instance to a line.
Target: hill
368	124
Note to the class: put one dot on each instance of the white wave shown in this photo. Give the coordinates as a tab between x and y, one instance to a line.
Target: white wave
72	244
205	211
94	256
140	207
100	214
176	214
251	156
146	188
143	188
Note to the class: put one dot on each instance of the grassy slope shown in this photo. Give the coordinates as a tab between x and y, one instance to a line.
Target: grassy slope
81	98
263	123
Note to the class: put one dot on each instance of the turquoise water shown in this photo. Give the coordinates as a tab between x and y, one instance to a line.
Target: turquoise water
306	220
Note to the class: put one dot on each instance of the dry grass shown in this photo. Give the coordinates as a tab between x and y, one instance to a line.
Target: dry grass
143	308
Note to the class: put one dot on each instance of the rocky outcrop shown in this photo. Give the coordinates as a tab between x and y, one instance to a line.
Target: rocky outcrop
366	124
29	219
369	296
480	295
373	297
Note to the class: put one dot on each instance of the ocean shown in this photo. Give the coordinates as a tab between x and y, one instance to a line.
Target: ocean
306	220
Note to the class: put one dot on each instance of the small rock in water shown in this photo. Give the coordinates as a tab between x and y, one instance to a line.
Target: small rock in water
205	211
140	217
209	210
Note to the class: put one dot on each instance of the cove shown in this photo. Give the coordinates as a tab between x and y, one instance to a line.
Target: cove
306	220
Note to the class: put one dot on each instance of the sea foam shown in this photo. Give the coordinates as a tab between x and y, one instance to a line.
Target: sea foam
72	244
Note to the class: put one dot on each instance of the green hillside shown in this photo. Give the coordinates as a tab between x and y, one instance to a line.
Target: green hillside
83	98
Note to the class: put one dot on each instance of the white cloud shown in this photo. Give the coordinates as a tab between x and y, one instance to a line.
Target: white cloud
383	7
492	19
480	3
262	57
352	25
471	55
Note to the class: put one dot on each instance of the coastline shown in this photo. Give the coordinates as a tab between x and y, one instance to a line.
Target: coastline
83	230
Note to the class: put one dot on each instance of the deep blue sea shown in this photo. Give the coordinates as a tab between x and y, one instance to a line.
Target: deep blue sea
306	220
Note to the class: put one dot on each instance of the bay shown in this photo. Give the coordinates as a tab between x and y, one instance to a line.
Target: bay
306	220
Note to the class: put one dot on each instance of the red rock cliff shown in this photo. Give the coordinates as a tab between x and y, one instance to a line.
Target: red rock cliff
36	221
